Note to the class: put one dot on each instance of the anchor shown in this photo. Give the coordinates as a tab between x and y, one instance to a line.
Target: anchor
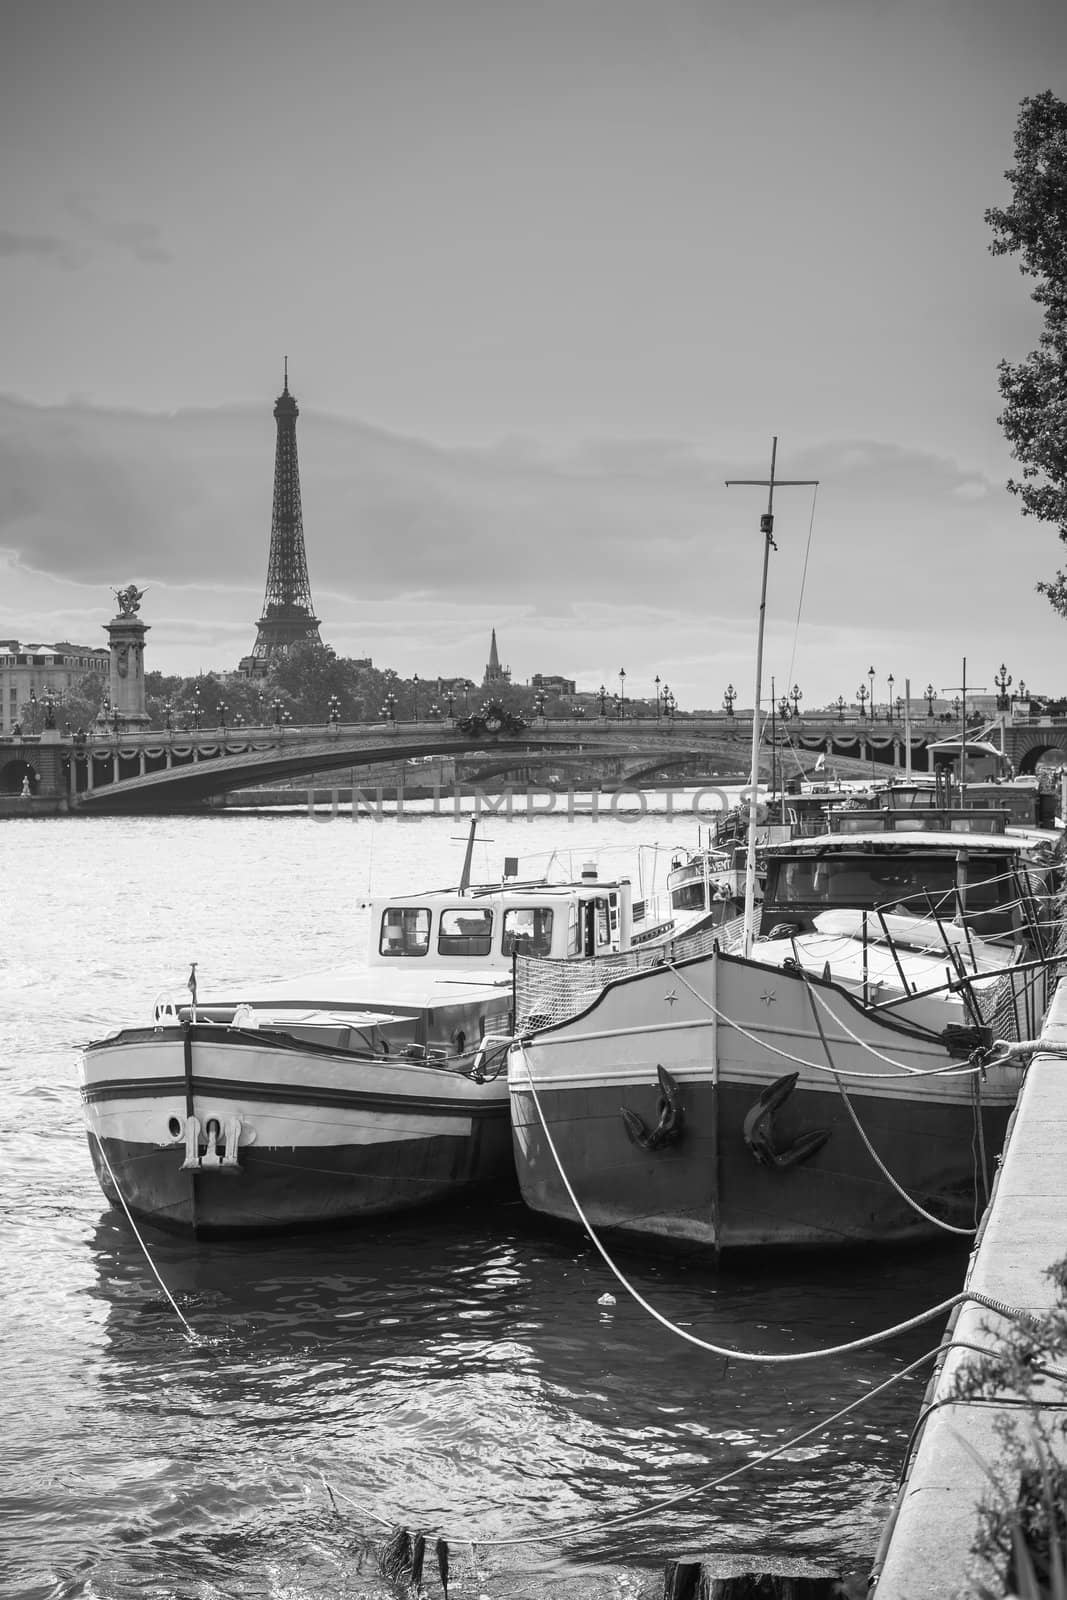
670	1126
759	1128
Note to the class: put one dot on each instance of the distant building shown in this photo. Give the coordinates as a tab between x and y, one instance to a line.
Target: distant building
29	673
552	683
496	676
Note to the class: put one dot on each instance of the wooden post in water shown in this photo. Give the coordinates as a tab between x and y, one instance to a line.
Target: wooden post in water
759	1577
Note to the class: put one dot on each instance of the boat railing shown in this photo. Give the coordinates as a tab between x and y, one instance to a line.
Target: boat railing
548	992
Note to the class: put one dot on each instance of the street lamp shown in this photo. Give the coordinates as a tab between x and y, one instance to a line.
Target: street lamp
889	707
657	681
277	710
929	693
539	704
1002	679
222	716
33	710
861	696
783	707
388	711
900	708
602	696
729	696
622	691
870	680
669	703
415	697
840	703
196	708
450	697
796	696
167	709
333	711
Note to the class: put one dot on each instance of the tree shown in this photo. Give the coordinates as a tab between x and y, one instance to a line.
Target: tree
1034	227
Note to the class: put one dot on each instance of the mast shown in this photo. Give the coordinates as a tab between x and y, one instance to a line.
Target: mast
767	529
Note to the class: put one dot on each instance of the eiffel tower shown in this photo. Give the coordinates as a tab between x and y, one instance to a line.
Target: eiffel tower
288	617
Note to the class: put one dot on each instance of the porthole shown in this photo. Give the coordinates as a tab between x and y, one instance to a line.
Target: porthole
174	1127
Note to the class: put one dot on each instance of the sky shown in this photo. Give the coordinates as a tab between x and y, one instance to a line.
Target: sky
546	275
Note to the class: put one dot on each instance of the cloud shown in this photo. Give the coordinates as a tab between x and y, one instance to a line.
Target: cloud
622	553
47	247
140	239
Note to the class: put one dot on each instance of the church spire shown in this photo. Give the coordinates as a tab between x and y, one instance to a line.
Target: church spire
494	672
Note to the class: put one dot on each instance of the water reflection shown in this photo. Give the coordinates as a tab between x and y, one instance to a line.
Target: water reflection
461	1375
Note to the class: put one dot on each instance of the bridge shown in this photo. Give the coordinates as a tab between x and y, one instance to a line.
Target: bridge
182	770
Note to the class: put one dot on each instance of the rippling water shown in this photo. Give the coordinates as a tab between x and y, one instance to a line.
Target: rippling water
454	1373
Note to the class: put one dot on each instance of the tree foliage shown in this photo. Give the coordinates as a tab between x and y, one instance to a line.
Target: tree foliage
1034	228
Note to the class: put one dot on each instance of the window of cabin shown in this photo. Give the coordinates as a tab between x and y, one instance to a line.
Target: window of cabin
465	933
528	929
405	931
574	938
603	926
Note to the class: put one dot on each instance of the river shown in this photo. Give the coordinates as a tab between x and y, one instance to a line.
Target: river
459	1372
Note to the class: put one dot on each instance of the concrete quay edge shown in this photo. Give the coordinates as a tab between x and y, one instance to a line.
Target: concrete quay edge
926	1552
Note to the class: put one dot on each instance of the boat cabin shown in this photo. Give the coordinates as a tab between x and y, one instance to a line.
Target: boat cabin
959	867
488	926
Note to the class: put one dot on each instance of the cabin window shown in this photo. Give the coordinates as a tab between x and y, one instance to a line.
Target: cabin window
688	896
405	931
465	933
528	930
603	926
574	941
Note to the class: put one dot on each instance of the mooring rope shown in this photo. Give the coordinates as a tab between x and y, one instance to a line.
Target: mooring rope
951	1070
1014	1313
194	1337
871	1151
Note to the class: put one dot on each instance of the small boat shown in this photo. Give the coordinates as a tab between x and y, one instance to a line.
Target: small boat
344	1094
832	1083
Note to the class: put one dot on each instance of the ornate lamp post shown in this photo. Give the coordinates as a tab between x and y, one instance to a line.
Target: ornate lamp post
1024	695
840	703
900	708
238	719
196	708
415	697
783	708
956	707
729	696
929	692
602	696
434	711
167	710
221	712
388	711
669	703
796	696
622	691
333	711
870	680
657	681
889	707
1002	679
539	704
467	687
277	710
450	699
861	696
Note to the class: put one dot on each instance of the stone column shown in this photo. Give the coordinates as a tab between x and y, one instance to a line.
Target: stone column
126	678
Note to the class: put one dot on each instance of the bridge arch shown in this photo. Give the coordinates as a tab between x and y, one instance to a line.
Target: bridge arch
12	774
1030	750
